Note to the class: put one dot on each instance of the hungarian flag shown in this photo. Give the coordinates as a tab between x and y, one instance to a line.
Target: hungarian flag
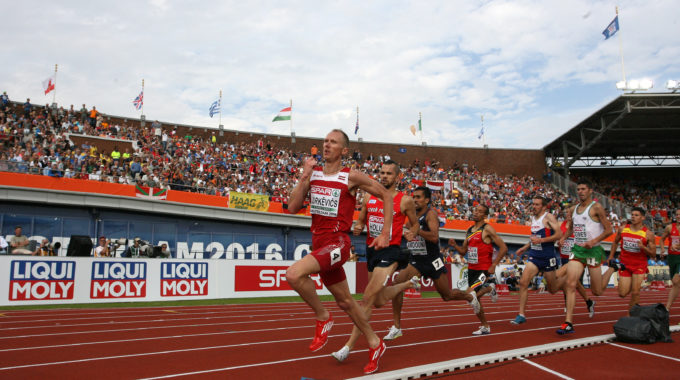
150	192
48	85
284	114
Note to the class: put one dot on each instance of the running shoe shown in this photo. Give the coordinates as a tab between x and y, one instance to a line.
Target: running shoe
483	330
565	328
519	319
494	293
415	280
374	355
341	354
393	334
476	306
321	334
591	308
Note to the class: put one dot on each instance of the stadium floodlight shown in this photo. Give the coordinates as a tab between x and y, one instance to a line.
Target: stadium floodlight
673	85
635	85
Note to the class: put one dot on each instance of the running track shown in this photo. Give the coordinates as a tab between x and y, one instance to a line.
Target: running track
269	341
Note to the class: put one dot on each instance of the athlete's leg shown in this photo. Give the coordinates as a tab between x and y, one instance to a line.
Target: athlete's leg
596	280
530	271
297	277
606	276
555	283
635	291
673	294
398	301
348	304
574	271
624	286
448	294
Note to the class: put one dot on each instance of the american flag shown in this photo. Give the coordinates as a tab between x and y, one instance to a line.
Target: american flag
139	101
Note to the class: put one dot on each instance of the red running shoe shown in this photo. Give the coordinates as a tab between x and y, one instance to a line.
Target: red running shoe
374	355
321	335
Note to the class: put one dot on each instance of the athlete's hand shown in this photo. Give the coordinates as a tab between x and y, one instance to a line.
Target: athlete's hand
358	228
676	247
521	250
492	269
410	236
589	244
380	242
562	240
452	242
309	164
535	239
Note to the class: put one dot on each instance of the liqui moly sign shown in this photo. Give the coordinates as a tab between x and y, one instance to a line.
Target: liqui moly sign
41	280
184	279
113	279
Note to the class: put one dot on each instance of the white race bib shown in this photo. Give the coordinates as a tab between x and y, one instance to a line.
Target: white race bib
472	255
580	235
324	201
417	247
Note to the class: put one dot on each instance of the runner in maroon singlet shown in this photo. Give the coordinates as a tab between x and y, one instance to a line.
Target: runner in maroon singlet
332	190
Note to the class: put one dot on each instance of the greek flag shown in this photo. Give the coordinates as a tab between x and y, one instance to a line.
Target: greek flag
215	108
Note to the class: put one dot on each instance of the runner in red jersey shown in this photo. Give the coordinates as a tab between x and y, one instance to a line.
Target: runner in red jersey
478	246
332	190
382	263
672	231
637	245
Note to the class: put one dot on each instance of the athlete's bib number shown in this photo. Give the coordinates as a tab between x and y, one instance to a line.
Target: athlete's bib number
324	201
580	234
417	247
438	264
566	247
336	256
591	261
375	225
631	245
472	255
536	247
553	262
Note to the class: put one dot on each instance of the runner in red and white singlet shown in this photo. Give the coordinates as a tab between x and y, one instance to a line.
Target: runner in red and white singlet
672	233
332	189
382	263
637	245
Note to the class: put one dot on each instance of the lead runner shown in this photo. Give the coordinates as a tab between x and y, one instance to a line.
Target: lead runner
333	196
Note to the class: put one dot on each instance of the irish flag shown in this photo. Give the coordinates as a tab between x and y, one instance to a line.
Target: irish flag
150	192
284	114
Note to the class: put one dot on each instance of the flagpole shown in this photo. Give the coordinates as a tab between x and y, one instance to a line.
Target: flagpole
420	126
54	94
220	108
291	117
142	96
357	122
483	133
623	68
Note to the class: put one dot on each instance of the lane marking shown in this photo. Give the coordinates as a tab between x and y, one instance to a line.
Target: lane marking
546	369
646	352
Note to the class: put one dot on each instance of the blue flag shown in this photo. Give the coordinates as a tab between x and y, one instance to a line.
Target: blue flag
215	108
356	129
481	133
612	28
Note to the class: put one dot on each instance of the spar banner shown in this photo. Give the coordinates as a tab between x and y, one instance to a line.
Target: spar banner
249	278
244	201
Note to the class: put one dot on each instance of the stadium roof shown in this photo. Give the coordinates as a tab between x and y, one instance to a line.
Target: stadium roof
634	130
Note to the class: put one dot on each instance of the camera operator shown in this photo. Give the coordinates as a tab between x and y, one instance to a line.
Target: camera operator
134	250
47	249
105	248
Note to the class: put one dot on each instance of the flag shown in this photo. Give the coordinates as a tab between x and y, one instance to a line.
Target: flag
215	107
356	129
481	133
420	125
284	114
48	85
150	193
612	28
412	128
139	101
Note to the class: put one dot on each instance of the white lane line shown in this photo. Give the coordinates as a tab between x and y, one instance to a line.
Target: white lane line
646	352
546	369
253	343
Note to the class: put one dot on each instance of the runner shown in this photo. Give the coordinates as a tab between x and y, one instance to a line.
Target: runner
565	253
545	232
673	232
478	246
637	245
425	261
333	195
590	226
382	264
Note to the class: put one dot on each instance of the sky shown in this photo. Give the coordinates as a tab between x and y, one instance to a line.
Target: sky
533	69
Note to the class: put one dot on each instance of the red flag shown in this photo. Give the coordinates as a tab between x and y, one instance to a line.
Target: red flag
48	85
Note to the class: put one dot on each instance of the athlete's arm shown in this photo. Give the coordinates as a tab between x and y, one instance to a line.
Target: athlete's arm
523	249
361	220
433	223
408	208
602	217
615	245
502	248
664	236
460	249
650	248
299	193
551	222
570	226
365	183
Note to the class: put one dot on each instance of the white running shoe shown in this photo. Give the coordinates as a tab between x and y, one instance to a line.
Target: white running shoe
494	294
476	306
482	331
415	280
341	354
393	334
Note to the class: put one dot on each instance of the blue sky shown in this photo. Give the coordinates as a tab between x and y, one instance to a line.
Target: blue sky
534	69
